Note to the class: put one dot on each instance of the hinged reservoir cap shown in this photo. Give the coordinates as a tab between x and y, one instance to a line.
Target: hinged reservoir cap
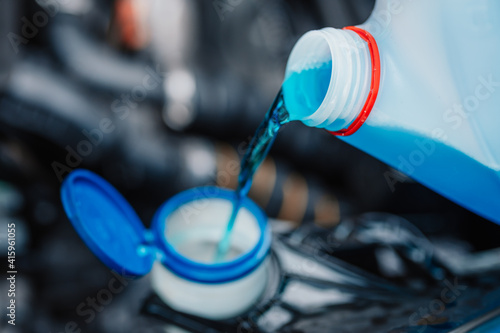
107	223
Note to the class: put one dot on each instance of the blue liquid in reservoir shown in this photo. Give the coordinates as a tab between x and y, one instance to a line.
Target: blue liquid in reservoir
303	92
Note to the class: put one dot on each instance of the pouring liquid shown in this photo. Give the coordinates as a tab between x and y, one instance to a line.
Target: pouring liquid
259	147
304	92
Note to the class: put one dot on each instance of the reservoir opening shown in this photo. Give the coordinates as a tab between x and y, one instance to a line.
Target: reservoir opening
195	229
190	226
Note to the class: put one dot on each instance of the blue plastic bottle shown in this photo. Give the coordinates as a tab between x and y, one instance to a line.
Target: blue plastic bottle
436	115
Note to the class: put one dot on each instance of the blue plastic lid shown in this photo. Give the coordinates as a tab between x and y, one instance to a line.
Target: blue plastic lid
107	223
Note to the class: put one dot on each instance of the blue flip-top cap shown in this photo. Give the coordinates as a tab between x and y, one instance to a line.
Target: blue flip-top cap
107	223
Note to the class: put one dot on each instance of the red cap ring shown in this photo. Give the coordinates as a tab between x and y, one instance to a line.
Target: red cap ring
374	86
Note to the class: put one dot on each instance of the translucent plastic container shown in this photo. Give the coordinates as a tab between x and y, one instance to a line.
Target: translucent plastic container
181	244
436	115
194	222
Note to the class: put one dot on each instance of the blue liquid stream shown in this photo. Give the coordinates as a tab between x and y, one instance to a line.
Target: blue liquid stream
259	147
303	92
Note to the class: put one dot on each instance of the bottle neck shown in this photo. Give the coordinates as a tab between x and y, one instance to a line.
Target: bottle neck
327	79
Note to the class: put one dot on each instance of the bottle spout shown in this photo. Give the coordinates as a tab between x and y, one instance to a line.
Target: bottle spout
327	78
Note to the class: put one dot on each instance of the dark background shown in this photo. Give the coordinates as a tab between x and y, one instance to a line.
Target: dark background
67	65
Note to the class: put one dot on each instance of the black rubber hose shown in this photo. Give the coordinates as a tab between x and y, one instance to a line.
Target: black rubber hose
42	102
96	63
